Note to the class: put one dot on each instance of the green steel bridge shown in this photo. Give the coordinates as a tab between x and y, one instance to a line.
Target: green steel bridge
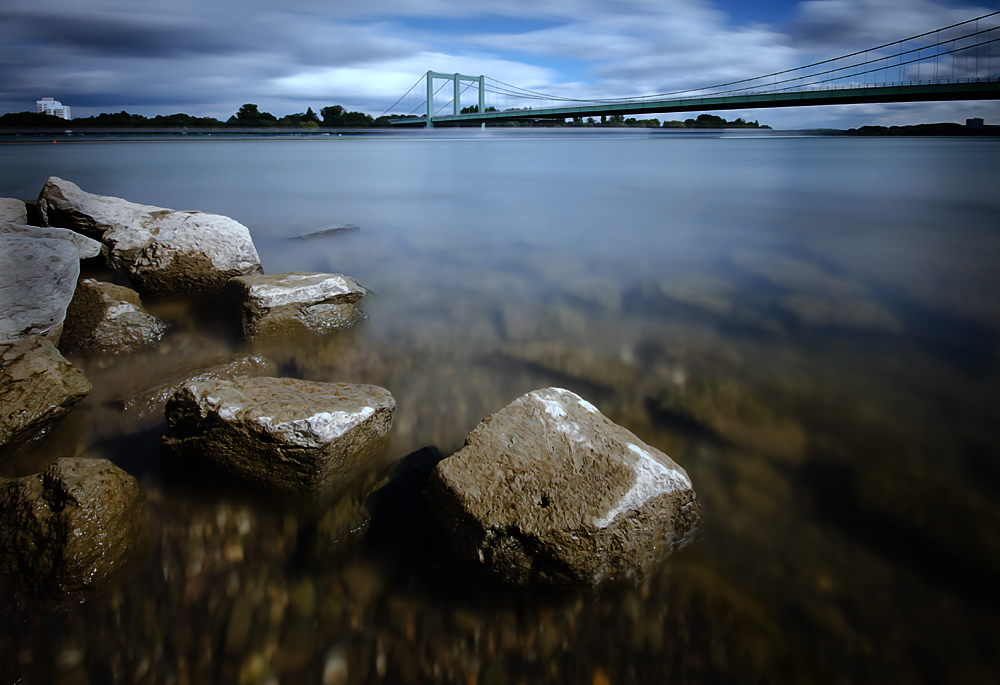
956	62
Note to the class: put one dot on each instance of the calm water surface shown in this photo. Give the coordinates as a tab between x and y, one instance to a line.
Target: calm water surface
810	326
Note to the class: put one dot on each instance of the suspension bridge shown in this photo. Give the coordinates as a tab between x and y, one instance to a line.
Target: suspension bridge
956	62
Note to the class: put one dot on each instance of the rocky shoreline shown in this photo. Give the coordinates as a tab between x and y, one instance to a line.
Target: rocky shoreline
546	491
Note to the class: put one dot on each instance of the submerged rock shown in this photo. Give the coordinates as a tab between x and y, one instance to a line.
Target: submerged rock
549	491
152	398
37	280
70	527
163	251
104	317
277	435
573	362
733	412
296	303
37	387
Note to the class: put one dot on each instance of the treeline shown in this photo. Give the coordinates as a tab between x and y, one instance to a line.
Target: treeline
334	116
702	121
248	116
943	129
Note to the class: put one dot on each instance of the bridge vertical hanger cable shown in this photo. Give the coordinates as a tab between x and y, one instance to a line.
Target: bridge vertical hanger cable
869	68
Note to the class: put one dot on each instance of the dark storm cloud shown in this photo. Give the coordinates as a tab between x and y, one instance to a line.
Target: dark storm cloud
114	55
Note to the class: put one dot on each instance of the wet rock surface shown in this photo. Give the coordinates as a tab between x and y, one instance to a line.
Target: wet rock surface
88	247
108	318
163	251
294	303
548	491
277	435
36	285
37	387
70	527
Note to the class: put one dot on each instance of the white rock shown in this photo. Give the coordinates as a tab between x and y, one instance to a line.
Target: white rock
13	211
37	280
87	246
162	251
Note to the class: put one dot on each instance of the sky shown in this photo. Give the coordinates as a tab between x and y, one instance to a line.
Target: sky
208	57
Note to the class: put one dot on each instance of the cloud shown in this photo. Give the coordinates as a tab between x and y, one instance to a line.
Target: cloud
841	26
208	58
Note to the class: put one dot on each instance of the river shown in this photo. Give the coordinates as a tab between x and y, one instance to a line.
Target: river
810	326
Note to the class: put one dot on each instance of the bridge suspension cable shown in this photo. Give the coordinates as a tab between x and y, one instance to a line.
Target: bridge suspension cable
900	62
415	84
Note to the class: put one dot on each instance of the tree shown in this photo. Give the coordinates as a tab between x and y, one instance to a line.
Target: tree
248	111
330	114
249	116
334	116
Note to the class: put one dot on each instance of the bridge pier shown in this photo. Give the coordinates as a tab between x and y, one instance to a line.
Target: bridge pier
457	80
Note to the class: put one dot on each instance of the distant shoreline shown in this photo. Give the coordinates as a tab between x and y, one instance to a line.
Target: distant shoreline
35	135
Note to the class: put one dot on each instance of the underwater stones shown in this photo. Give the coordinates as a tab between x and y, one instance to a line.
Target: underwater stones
37	387
163	251
71	526
104	317
572	362
37	280
277	435
295	303
151	398
734	412
548	491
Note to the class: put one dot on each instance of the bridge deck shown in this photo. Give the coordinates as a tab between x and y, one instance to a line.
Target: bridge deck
923	91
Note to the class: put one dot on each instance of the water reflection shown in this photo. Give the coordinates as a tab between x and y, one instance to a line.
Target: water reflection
808	326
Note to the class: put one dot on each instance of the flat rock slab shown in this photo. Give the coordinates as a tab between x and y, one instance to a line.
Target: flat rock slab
37	280
70	527
13	210
37	387
548	491
277	435
163	251
296	303
108	318
88	247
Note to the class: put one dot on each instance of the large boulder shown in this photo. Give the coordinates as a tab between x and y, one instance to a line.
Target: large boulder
88	247
109	318
13	211
37	387
71	526
283	436
548	491
296	303
163	251
37	280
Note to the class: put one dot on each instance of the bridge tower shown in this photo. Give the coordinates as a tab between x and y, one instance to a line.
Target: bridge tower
457	79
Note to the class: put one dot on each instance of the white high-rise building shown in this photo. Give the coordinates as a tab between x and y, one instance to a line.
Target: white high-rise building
53	107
